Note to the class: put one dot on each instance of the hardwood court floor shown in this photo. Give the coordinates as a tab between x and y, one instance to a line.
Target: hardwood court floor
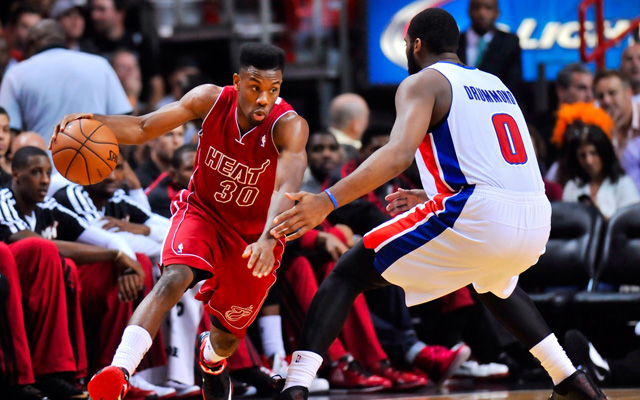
467	390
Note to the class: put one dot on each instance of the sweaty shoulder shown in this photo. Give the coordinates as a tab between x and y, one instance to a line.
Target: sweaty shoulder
201	99
290	130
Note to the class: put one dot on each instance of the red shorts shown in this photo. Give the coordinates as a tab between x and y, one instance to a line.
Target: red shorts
233	295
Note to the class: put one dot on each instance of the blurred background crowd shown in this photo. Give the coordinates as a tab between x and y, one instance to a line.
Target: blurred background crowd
68	251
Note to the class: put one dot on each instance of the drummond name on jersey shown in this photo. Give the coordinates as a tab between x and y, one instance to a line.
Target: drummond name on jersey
489	95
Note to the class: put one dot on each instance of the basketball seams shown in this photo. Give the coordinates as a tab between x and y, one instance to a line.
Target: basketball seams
102	151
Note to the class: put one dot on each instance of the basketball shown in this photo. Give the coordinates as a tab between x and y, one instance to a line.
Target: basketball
85	152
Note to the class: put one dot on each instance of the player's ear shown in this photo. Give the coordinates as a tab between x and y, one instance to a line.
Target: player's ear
236	81
417	45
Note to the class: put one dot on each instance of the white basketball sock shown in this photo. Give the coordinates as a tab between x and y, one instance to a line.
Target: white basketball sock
134	345
553	359
210	355
303	369
271	334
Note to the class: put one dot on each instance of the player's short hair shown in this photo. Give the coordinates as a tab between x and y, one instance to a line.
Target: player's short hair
4	112
609	73
437	29
20	160
261	56
176	160
563	79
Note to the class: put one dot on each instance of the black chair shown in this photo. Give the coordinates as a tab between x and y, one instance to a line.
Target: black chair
568	264
619	265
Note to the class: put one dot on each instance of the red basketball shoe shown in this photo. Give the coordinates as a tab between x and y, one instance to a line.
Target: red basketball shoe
110	383
439	363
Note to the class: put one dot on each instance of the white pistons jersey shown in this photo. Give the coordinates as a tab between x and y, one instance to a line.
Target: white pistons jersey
483	141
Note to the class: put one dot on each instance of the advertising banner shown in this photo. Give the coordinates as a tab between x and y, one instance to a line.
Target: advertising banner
548	32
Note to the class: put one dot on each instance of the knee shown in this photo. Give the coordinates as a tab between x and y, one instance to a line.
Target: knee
224	344
173	282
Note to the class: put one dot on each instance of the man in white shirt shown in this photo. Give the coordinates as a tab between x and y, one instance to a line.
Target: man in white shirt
348	119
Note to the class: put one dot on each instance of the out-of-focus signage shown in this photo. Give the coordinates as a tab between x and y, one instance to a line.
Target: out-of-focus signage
548	32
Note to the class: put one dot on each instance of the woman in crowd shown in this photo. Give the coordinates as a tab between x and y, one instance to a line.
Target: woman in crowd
592	168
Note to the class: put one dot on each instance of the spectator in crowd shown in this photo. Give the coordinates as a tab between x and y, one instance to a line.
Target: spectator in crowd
574	83
168	184
348	119
106	205
161	152
111	274
56	81
630	68
70	14
608	371
594	172
177	80
323	156
125	63
22	16
4	55
39	293
5	145
486	47
614	95
111	34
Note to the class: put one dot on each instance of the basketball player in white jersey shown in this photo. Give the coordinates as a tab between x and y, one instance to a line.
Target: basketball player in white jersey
487	218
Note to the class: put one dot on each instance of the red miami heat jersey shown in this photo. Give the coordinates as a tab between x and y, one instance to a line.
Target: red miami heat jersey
235	173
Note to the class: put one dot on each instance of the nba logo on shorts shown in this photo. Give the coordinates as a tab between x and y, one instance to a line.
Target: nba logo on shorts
180	247
263	140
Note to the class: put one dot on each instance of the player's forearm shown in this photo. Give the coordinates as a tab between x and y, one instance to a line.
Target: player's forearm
126	128
279	204
382	166
84	253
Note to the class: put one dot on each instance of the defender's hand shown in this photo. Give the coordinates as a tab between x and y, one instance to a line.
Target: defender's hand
65	120
261	258
310	211
405	199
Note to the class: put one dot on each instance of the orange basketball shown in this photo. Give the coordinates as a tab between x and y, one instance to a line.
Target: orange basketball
85	152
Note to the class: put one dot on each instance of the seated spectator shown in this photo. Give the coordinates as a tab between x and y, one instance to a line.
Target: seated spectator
39	292
111	275
161	151
177	80
22	16
323	156
4	55
594	172
630	68
127	68
105	204
25	139
164	188
5	144
70	14
348	119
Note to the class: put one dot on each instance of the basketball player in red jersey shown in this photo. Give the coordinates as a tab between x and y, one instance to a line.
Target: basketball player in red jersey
251	152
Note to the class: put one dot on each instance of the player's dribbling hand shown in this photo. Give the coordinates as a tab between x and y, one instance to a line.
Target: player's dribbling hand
405	199
260	256
65	120
310	211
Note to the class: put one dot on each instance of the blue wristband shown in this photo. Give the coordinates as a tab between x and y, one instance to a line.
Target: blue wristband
333	199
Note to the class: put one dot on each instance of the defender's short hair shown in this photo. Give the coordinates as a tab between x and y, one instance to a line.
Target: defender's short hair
563	79
261	56
437	29
21	158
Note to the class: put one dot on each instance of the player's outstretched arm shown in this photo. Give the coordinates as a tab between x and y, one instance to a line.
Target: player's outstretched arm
136	130
290	136
415	101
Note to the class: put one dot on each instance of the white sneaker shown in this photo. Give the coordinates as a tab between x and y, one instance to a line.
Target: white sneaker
183	390
472	369
280	366
162	392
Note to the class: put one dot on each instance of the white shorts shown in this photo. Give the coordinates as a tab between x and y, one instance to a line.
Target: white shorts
480	235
